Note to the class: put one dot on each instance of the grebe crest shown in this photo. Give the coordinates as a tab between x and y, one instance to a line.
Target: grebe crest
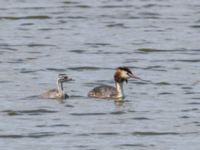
59	92
105	91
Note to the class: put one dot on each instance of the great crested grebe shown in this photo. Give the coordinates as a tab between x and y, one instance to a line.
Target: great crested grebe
59	92
105	91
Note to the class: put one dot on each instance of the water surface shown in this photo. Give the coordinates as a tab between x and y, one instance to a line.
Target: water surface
158	40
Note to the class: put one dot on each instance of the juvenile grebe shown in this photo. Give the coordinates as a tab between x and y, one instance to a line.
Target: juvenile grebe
59	92
105	91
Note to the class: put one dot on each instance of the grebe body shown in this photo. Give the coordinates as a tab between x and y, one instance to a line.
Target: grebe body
59	92
106	91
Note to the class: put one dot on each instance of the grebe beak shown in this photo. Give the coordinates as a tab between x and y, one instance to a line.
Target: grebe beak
68	79
138	78
134	76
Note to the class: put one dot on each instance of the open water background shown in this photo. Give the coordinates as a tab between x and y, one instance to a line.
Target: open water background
87	39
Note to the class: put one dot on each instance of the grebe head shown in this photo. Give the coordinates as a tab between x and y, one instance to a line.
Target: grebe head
123	74
63	78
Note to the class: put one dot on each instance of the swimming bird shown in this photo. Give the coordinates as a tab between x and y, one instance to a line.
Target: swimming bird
59	92
106	91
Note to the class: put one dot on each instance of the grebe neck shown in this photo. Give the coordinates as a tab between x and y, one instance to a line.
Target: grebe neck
60	87
120	89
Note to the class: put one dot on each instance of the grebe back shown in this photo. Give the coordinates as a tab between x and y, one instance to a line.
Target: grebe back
105	91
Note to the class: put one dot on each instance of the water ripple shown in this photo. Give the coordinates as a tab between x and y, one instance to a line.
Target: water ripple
117	113
70	2
99	133
40	45
59	125
141	118
24	17
155	133
118	25
165	93
28	112
106	133
116	6
56	69
136	145
87	114
189	110
31	135
84	68
194	103
195	26
78	51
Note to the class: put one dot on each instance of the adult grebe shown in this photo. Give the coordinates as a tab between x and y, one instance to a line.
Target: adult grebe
59	92
105	91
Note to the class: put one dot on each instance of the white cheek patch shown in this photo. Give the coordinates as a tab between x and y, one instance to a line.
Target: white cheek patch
124	74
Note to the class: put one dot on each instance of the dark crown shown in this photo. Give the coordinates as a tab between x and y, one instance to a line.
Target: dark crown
117	75
125	69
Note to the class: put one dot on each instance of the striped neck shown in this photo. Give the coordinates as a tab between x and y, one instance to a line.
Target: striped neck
60	87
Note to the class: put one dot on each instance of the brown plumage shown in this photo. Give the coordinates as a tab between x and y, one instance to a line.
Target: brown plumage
105	91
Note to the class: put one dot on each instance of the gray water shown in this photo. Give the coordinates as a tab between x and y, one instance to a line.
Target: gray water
158	39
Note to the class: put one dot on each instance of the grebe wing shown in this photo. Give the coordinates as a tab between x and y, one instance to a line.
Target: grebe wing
52	93
104	91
